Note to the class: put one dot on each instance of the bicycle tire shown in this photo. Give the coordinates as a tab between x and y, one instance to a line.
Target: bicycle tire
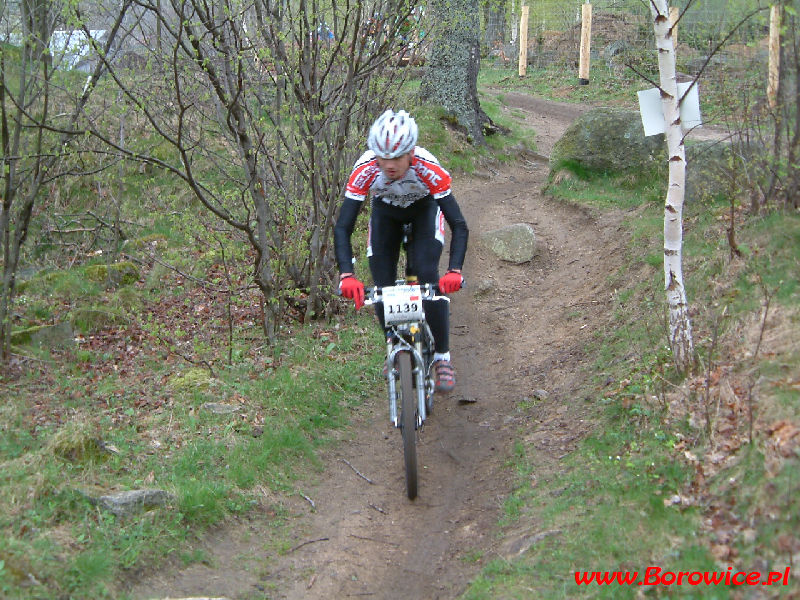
408	421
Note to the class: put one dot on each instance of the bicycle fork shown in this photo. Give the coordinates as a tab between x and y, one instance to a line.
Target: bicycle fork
392	349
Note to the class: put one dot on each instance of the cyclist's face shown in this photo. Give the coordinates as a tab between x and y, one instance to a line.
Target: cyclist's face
395	168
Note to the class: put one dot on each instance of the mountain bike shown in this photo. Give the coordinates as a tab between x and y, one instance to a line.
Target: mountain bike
409	360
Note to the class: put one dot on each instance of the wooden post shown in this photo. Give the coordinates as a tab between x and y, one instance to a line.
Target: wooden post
774	56
674	13
586	43
523	41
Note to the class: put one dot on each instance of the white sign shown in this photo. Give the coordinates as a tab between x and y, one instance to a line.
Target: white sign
652	112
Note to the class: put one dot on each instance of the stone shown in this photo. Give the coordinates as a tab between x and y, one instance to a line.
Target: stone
88	319
709	165
60	335
514	243
121	273
484	287
193	379
219	408
134	501
608	141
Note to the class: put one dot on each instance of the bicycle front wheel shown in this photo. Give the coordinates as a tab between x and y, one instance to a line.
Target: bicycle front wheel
408	421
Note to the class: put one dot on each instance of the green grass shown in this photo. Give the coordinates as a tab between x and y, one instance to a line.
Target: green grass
454	150
213	464
618	85
606	511
292	400
607	87
609	503
608	191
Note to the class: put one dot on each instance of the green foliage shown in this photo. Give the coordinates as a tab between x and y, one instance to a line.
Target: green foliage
773	262
99	418
632	475
442	137
123	273
697	28
71	284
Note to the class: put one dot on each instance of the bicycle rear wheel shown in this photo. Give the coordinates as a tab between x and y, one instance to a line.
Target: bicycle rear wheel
408	421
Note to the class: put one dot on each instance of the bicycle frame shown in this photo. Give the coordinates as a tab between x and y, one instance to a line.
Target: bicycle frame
415	337
409	356
406	339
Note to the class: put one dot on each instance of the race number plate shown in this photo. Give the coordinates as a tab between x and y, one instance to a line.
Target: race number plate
402	303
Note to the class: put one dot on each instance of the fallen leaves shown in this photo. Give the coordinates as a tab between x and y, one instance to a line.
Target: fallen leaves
732	406
784	437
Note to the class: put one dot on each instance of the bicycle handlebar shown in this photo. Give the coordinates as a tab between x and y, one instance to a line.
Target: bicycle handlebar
430	291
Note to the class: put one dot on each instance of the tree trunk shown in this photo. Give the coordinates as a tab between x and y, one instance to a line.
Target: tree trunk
288	110
451	78
37	26
29	154
680	328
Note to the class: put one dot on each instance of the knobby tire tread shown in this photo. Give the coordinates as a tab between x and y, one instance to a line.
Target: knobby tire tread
408	421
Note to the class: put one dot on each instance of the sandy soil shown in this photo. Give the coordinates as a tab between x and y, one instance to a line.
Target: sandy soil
524	338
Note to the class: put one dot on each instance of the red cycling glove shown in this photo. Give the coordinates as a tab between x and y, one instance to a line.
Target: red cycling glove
450	282
352	288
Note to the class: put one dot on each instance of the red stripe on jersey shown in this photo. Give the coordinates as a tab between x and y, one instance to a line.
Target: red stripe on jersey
361	179
435	177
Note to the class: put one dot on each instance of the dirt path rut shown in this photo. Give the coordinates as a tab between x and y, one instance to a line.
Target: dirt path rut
517	329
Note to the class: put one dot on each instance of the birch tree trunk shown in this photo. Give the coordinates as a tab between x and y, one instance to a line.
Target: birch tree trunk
680	328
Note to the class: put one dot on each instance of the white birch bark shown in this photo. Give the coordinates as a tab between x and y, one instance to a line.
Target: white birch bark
680	328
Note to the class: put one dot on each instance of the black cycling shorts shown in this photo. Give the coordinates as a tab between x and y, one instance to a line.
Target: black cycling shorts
427	240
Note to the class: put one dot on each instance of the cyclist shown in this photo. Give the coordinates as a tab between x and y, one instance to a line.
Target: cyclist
407	185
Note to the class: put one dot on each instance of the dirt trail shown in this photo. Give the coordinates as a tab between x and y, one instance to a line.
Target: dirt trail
525	334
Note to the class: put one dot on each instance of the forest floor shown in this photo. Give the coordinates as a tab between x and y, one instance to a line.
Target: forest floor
521	342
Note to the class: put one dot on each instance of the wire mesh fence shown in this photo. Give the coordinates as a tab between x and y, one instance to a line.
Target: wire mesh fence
622	37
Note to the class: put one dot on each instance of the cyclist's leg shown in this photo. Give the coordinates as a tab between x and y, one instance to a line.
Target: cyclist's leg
428	244
427	250
383	248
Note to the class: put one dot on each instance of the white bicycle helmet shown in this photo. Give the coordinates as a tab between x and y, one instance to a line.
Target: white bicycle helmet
392	134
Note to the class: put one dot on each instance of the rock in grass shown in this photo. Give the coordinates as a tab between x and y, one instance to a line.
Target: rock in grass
88	319
193	379
60	335
121	273
134	501
77	442
608	141
218	408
